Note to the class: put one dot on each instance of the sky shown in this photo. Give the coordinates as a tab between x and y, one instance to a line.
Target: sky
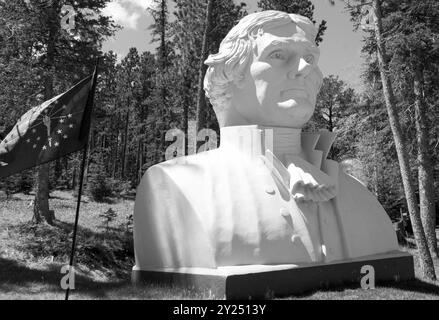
340	49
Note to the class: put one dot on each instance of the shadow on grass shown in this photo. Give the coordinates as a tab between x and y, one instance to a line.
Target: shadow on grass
108	230
107	252
14	198
15	274
415	285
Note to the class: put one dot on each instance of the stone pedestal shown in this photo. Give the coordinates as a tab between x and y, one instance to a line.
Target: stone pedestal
262	281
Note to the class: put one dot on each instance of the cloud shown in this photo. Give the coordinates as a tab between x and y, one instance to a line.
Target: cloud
125	12
144	4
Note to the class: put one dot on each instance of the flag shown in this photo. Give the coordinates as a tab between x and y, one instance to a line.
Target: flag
49	131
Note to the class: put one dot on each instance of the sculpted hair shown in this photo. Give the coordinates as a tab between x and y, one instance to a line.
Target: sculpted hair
228	66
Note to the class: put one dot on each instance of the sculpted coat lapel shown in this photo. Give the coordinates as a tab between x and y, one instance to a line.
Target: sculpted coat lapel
230	206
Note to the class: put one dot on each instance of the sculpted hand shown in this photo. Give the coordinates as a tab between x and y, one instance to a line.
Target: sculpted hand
305	186
302	180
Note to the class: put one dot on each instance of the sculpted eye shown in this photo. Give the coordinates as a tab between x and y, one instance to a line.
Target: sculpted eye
309	58
277	55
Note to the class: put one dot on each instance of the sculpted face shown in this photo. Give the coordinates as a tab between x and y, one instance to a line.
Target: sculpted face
282	81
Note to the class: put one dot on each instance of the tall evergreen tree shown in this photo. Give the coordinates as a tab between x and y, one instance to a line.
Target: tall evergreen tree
334	102
381	50
412	54
160	32
201	98
144	111
128	80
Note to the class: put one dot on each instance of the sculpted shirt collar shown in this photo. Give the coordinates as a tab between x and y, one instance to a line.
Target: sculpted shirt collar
296	160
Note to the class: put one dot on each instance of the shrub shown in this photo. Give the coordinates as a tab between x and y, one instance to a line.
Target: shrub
26	182
108	216
100	188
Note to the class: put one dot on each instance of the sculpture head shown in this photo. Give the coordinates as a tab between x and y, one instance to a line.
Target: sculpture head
265	72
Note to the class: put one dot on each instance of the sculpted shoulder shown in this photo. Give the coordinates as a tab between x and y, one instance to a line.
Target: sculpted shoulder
368	227
191	162
186	172
355	197
347	181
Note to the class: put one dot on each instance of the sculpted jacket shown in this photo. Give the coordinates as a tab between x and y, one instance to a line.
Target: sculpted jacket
237	206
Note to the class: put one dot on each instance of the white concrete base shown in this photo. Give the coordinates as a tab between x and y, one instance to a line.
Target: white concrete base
259	281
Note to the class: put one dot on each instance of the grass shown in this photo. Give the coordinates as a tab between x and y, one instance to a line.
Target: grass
31	257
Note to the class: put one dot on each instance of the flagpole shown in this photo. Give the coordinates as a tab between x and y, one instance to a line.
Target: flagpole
81	181
75	228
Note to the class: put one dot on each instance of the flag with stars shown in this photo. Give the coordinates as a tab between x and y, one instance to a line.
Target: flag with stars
49	131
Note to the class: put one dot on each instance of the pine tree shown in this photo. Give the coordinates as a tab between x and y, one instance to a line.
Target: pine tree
379	39
412	59
334	102
144	110
107	217
201	98
128	80
164	115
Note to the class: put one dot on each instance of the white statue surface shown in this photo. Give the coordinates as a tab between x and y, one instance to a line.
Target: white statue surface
268	195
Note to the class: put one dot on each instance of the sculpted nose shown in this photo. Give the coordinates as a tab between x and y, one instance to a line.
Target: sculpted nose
300	69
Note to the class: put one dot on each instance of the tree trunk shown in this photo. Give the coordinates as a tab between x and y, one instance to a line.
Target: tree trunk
87	163
163	51
140	161
115	158
425	172
331	121
125	142
137	162
116	149
186	101
41	202
375	164
201	100
57	171
426	261
74	178
66	170
162	82
163	34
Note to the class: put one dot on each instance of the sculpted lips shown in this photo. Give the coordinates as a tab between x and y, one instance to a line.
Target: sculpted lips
294	93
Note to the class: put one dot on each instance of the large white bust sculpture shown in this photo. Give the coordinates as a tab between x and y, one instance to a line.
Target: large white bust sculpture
268	194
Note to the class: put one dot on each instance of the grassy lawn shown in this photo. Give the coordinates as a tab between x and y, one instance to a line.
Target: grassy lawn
31	257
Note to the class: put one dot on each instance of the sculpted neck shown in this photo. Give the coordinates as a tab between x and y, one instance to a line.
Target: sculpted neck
254	139
286	141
